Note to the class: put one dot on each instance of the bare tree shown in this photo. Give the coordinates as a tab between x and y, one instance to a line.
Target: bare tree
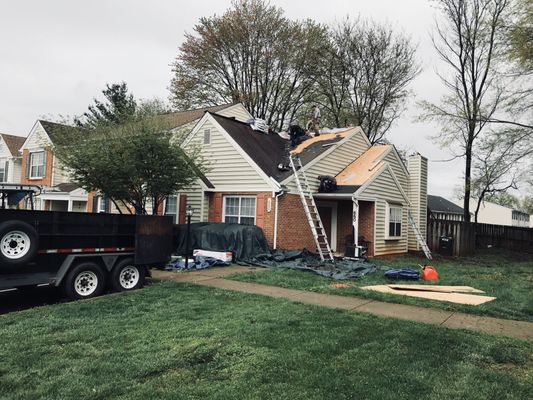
251	54
497	164
365	75
468	41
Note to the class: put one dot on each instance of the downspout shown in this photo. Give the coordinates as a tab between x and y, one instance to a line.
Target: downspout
278	194
355	221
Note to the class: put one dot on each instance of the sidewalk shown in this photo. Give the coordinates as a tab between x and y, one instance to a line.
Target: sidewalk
214	277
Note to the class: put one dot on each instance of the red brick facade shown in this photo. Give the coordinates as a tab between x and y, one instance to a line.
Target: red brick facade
366	224
293	228
46	180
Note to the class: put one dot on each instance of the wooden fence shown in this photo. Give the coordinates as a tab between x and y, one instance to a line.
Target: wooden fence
467	236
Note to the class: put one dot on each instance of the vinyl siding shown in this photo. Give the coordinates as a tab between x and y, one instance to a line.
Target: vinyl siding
333	163
194	199
59	175
238	111
15	170
228	169
385	190
38	139
417	197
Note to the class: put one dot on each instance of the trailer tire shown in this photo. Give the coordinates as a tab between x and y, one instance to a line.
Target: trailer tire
19	242
84	281
127	276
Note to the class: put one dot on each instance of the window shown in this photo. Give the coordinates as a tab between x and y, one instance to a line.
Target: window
171	207
239	210
37	164
395	221
207	136
3	170
103	204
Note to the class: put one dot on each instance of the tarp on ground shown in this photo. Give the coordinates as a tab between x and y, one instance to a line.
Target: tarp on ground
249	247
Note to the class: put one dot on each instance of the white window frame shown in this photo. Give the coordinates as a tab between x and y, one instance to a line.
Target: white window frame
3	162
100	205
239	216
36	166
176	215
388	221
207	135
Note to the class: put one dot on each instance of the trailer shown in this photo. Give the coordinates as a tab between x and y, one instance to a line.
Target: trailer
82	253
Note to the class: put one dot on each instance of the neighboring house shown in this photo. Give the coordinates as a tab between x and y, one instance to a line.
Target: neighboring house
10	160
41	167
244	185
490	213
440	208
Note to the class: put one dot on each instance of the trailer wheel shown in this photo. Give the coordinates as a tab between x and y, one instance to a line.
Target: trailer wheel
18	242
84	281
127	276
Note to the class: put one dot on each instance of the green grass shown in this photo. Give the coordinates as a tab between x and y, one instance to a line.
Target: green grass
506	276
181	341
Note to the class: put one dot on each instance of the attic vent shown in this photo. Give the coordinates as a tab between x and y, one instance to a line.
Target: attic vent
258	125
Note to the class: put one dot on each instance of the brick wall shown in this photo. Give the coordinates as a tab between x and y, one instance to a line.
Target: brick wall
47	179
264	218
293	229
366	224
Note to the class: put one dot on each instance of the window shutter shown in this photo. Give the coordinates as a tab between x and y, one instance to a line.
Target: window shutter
44	162
95	204
28	165
6	170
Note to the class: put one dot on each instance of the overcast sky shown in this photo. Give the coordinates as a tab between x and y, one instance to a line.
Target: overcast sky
56	55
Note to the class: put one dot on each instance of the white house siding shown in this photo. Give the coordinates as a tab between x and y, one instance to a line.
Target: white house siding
417	193
194	199
37	139
333	163
15	170
59	175
228	169
384	190
238	111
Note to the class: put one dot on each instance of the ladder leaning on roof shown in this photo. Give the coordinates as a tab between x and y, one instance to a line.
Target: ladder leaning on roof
319	234
419	236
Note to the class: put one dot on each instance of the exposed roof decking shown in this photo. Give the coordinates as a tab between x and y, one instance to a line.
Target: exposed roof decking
363	168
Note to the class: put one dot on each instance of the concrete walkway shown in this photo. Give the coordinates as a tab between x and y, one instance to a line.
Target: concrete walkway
214	277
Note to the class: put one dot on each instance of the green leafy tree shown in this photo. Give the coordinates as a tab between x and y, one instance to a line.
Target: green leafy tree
119	106
133	163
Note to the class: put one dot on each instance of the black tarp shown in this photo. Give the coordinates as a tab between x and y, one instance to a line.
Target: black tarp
249	247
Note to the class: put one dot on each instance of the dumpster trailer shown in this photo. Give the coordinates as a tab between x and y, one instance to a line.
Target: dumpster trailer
82	253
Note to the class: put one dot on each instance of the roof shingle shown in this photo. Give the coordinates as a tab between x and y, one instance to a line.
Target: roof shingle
13	143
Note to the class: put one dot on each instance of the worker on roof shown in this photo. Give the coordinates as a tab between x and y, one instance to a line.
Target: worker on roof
314	124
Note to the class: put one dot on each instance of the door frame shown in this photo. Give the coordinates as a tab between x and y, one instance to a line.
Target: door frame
332	237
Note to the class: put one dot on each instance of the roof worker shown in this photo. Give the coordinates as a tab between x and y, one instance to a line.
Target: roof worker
314	124
295	133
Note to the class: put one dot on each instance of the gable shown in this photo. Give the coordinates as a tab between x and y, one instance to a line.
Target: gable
238	111
37	138
4	151
383	185
229	167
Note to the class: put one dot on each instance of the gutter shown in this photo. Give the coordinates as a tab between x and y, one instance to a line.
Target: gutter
277	195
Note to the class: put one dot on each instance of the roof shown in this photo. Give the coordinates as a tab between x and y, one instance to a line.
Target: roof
52	128
270	150
179	118
441	205
363	168
13	143
67	187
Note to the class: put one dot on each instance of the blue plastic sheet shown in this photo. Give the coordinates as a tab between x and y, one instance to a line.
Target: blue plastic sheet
409	274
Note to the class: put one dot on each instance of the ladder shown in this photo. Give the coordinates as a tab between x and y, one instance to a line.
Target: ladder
420	239
311	211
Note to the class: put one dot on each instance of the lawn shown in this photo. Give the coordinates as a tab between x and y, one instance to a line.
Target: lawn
507	276
181	341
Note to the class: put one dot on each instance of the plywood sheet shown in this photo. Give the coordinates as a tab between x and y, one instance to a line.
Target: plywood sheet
359	171
322	138
459	298
438	288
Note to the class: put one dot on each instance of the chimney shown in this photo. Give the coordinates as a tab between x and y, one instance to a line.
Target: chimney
417	165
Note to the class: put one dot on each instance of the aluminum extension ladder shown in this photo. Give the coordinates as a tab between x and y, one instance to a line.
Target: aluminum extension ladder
419	236
311	211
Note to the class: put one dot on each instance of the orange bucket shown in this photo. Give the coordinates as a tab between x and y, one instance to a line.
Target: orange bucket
429	273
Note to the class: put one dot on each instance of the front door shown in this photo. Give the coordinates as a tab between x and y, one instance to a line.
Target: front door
328	215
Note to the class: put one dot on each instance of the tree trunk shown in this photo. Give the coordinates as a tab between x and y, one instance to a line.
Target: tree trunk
468	172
